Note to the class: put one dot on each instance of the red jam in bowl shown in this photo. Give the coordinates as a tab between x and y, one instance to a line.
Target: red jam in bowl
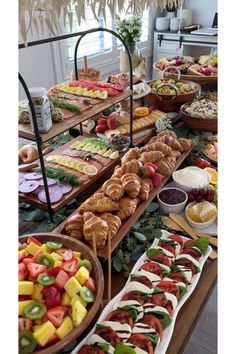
172	196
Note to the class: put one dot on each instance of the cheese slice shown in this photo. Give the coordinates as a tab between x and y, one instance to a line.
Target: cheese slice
190	258
136	286
133	303
122	329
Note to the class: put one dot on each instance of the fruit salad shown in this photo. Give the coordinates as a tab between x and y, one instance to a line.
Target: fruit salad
55	288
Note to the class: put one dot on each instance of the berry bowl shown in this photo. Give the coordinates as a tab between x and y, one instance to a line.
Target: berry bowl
172	200
79	312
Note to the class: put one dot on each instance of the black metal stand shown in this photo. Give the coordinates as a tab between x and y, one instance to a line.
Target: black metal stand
37	134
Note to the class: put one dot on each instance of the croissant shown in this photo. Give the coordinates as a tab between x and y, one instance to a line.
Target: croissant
74	226
157	146
132	166
170	141
151	156
166	166
131	184
176	154
98	203
117	172
113	189
130	155
144	190
149	181
167	132
185	144
113	221
127	207
95	226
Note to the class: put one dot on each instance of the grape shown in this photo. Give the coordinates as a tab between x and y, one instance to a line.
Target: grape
191	198
203	192
194	192
209	198
198	198
211	192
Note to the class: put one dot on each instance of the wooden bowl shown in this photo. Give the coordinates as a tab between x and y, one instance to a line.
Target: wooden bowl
172	103
96	273
206	125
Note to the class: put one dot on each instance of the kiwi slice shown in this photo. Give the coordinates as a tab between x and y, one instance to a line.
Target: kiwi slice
27	343
53	245
35	310
46	260
91	124
86	263
46	279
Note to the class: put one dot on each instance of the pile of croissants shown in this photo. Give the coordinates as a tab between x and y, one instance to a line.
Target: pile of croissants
101	215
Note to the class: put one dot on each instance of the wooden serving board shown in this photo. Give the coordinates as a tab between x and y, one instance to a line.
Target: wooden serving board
104	166
127	224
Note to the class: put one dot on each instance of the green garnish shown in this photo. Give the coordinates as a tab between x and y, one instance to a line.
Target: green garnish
61	175
64	105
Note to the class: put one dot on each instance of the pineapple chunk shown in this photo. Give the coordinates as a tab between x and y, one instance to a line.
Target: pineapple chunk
25	287
78	313
32	248
38	322
77	254
79	298
44	249
65	328
72	286
21	306
65	299
44	332
21	252
57	263
37	293
56	256
35	327
82	275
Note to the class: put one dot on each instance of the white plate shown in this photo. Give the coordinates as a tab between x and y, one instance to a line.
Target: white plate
143	93
211	230
167	333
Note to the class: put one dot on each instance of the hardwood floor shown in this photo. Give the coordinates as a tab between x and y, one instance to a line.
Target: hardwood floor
204	336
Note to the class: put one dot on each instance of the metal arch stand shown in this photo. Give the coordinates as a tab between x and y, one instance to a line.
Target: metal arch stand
37	135
38	142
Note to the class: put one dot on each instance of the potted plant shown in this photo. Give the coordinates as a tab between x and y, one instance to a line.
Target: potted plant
170	11
129	29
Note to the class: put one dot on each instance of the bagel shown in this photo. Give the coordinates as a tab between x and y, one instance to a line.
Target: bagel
28	153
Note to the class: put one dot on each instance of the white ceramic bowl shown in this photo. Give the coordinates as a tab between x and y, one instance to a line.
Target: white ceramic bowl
172	208
188	188
198	225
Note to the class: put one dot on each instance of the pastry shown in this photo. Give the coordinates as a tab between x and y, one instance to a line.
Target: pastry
185	144
151	156
176	154
95	226
170	141
74	226
117	172
98	203
133	153
132	166
145	189
167	132
131	184
127	207
113	189
113	221
166	166
157	146
28	153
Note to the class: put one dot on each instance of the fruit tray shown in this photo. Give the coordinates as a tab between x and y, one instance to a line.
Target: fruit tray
167	333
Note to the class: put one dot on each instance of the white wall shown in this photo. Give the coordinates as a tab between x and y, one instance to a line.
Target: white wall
203	11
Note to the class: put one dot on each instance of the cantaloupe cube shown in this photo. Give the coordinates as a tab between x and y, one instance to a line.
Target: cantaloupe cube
65	328
32	248
78	298
78	313
77	254
56	256
21	306
37	293
44	249
65	299
57	263
25	287
82	275
44	332
72	286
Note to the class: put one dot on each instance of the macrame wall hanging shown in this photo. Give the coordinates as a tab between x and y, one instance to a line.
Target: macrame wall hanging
41	16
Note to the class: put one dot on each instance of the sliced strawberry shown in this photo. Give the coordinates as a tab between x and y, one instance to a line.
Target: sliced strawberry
21	257
53	271
27	260
25	324
66	254
23	245
49	292
22	271
24	297
34	240
35	269
90	284
53	302
56	315
61	278
52	340
71	266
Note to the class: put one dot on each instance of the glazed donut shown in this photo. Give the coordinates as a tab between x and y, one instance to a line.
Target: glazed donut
28	153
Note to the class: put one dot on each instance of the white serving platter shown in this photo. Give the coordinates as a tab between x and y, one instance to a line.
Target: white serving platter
167	333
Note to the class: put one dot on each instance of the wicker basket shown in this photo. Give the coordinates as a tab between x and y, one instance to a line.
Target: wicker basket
85	73
206	125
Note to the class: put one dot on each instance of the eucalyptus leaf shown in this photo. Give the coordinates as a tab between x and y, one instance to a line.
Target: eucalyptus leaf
152	207
156	233
138	249
137	225
140	237
116	262
36	215
137	256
